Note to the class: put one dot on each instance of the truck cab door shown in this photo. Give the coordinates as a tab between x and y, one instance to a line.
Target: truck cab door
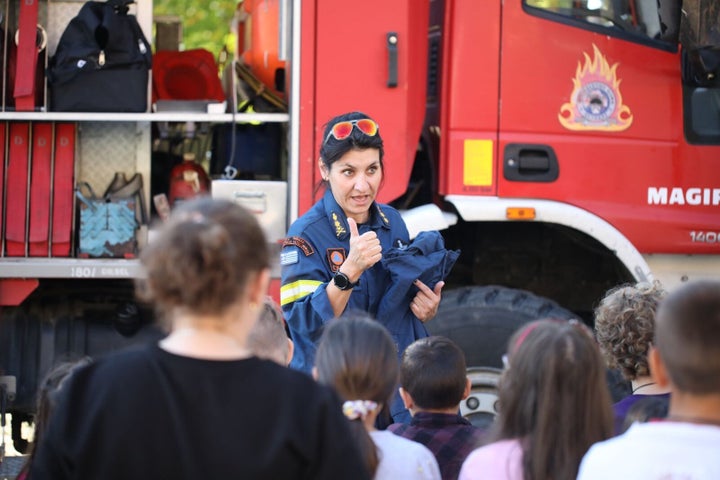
592	116
469	99
368	56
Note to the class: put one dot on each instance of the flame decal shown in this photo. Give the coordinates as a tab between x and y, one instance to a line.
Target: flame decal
596	102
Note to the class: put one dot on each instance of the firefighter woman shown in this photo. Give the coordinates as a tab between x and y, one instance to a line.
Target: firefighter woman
331	256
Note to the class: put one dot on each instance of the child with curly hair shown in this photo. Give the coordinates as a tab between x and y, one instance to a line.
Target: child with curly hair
624	326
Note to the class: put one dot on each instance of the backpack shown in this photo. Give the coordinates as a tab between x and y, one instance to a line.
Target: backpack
102	62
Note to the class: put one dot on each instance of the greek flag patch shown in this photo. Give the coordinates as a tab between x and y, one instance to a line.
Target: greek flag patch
289	257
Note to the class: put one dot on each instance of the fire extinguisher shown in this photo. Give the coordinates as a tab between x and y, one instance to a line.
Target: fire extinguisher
188	180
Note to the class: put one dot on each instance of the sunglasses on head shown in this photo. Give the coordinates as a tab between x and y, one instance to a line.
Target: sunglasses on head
342	130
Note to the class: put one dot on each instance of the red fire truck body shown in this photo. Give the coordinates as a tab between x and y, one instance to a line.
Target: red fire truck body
563	146
512	127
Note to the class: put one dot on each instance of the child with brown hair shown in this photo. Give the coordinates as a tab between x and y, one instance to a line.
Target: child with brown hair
268	338
554	404
358	357
198	404
433	382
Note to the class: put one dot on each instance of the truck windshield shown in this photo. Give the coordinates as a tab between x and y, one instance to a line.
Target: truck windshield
639	20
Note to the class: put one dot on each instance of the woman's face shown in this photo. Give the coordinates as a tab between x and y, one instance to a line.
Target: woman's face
354	181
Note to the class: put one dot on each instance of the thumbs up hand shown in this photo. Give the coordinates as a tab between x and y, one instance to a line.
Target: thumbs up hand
365	251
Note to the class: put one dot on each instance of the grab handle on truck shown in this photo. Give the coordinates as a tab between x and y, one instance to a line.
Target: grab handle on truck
392	40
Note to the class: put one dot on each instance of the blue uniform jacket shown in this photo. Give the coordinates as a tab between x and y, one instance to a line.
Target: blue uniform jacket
315	247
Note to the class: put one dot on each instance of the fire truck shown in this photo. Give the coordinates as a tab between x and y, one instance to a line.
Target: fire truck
563	146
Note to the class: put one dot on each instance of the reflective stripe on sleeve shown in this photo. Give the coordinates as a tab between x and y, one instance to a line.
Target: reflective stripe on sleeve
297	290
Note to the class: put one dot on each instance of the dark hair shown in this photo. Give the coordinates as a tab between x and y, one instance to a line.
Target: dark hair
687	336
332	150
625	325
47	398
647	408
553	397
203	257
267	338
433	372
357	356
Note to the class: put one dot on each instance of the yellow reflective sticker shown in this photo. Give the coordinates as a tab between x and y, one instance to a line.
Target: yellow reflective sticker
478	163
297	290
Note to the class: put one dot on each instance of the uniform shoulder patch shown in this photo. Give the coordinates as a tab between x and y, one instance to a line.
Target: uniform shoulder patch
289	257
299	242
339	228
336	257
382	215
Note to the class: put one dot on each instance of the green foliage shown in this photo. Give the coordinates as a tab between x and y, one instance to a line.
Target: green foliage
205	23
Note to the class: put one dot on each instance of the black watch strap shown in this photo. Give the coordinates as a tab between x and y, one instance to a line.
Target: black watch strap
342	281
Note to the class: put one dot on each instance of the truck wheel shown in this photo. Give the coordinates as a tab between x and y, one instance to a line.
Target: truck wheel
480	407
481	319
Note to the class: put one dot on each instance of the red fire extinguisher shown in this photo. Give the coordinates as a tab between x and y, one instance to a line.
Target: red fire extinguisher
188	180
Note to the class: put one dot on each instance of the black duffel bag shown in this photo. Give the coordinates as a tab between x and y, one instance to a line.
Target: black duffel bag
102	62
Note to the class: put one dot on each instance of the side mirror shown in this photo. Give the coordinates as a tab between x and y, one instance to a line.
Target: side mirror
701	66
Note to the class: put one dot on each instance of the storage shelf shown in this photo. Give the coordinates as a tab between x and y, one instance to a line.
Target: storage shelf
144	117
79	268
69	268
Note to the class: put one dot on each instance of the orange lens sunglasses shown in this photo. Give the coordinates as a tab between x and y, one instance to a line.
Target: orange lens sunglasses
342	130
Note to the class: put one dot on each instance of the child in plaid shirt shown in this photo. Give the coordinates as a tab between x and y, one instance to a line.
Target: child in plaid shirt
433	383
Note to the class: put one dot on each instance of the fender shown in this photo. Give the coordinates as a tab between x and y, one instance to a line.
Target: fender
425	218
493	209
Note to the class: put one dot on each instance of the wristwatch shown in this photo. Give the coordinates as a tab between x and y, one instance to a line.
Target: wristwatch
343	282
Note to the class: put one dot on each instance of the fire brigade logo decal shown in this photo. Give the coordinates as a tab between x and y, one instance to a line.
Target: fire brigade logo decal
595	102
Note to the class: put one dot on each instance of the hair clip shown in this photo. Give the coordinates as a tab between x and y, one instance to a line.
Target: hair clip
354	409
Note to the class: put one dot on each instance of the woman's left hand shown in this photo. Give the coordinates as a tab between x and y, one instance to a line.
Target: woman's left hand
425	304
